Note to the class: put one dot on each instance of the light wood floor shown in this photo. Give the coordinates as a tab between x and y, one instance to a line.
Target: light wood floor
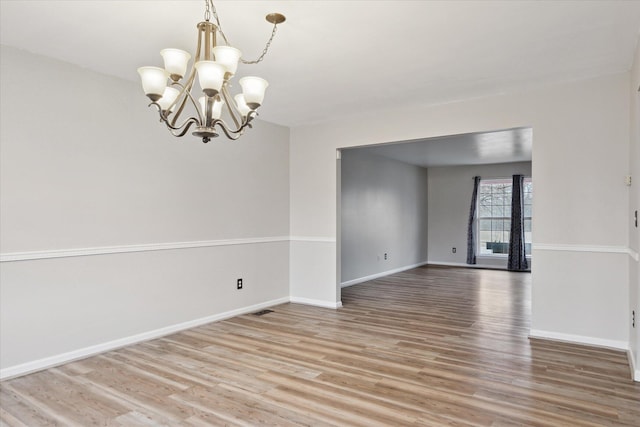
431	346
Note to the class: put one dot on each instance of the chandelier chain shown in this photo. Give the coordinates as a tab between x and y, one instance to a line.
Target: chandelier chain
266	47
207	11
211	9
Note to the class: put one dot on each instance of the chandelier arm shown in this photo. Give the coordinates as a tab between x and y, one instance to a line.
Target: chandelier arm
230	106
235	134
177	115
186	95
195	104
184	131
197	57
230	133
174	118
189	84
179	99
172	127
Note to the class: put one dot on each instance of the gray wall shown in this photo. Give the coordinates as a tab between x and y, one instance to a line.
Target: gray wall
87	169
449	201
580	288
383	210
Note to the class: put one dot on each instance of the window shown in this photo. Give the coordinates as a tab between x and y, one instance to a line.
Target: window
494	216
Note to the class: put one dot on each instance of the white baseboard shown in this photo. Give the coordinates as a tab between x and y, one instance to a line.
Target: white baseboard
463	264
316	302
579	339
632	364
49	362
382	274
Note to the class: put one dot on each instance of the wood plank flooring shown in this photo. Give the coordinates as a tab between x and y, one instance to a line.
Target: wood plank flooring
427	347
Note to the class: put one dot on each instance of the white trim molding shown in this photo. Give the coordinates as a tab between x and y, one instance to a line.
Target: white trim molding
123	249
64	253
582	248
579	339
316	302
381	274
635	373
59	359
462	264
312	239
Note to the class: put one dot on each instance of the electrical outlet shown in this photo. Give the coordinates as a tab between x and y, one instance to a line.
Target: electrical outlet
385	255
453	250
239	283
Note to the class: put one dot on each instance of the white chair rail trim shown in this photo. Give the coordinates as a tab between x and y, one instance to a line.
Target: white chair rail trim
586	248
64	253
312	239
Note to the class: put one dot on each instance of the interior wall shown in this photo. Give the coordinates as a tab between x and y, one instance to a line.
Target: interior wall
112	228
450	191
580	157
634	205
384	211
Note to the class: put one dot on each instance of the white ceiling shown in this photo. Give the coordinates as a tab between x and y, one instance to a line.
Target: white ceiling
503	146
335	59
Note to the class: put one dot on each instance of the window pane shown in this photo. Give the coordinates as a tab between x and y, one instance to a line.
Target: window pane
499	196
485	225
485	210
494	213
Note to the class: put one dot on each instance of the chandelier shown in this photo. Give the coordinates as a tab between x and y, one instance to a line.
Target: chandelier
171	89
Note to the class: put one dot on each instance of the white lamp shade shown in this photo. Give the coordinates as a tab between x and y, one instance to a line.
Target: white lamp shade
170	94
175	61
228	57
253	89
154	81
216	111
210	76
243	108
203	105
216	108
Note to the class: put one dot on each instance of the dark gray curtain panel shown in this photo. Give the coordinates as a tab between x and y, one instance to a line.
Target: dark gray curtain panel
471	238
517	256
